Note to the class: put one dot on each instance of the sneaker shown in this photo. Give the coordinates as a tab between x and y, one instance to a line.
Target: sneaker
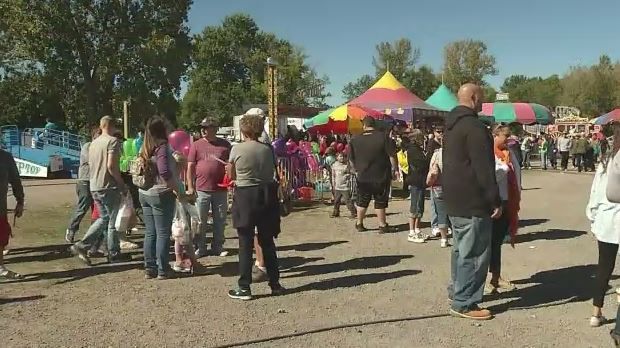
69	236
239	294
596	321
118	258
95	253
80	253
150	274
127	245
473	314
200	253
506	285
490	289
436	232
384	229
181	268
278	290
258	275
218	253
444	243
360	227
416	238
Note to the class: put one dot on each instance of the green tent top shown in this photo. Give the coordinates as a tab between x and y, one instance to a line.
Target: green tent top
443	99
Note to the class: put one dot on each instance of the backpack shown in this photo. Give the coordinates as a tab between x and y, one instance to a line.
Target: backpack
143	173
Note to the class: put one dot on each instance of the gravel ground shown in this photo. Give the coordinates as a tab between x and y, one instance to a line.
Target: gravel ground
347	289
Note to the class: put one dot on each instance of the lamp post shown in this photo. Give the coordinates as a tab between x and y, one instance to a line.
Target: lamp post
272	96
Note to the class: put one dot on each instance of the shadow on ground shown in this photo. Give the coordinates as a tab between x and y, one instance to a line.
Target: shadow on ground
20	299
551	234
532	222
349	265
549	288
353	281
310	246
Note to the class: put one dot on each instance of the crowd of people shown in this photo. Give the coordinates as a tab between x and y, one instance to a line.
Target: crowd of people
473	172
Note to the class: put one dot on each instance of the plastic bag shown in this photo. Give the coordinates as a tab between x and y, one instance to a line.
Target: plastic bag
126	217
186	222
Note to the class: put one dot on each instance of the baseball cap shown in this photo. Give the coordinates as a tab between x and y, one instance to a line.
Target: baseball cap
208	122
255	112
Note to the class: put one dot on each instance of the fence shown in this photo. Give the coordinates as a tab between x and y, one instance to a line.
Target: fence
307	178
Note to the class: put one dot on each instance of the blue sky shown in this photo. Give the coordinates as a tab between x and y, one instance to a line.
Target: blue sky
531	37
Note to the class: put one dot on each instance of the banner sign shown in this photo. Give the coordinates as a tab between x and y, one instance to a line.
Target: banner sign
29	169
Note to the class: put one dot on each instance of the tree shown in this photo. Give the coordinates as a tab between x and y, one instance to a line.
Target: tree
423	82
230	69
398	57
533	89
353	90
99	52
467	61
489	94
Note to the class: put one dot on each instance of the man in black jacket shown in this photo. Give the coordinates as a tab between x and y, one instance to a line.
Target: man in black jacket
472	199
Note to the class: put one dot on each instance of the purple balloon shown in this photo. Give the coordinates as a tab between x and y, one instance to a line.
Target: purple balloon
279	146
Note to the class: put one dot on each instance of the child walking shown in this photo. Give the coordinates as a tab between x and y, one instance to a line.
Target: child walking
341	178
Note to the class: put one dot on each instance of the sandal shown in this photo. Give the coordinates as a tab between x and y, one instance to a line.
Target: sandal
7	274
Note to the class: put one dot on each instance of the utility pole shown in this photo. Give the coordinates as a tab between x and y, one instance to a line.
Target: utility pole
272	97
126	119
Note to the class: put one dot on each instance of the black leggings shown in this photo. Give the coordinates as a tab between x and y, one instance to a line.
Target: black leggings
606	261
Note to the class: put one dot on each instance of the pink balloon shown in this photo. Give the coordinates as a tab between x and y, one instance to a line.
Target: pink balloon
179	139
185	150
333	145
340	147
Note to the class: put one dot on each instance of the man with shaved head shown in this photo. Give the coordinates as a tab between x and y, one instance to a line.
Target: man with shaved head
472	199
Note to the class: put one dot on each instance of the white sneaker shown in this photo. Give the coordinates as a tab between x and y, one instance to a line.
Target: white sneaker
416	238
597	321
444	243
126	245
436	232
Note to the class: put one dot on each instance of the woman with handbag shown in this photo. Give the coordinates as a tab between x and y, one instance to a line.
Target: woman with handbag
256	206
158	201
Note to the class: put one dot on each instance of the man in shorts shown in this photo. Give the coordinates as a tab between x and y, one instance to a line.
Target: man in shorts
373	157
9	175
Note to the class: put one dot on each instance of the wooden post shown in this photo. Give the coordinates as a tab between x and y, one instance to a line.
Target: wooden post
126	119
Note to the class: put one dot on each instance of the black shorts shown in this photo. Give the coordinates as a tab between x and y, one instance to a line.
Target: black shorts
379	192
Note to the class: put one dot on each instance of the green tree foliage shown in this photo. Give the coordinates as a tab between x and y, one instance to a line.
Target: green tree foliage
230	71
467	61
545	91
399	57
489	94
353	90
94	54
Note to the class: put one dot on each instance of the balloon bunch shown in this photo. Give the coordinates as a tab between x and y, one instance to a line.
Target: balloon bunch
129	153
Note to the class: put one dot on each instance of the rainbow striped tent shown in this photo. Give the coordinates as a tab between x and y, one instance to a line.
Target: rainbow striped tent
392	98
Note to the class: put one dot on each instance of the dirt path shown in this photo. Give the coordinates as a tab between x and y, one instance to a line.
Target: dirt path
347	289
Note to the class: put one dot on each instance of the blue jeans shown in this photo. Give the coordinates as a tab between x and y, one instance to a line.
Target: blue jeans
434	212
471	255
108	202
438	207
217	203
85	200
158	212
